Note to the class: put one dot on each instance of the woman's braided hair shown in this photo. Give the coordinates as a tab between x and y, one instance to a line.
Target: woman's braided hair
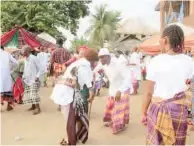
175	35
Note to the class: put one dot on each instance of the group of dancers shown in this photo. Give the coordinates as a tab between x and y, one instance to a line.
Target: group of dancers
78	79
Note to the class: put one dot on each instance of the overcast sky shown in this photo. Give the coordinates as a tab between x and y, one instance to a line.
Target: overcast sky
143	9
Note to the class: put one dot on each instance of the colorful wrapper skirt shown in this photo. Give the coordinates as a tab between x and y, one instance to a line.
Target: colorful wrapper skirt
167	122
192	109
78	122
98	84
7	96
117	112
31	94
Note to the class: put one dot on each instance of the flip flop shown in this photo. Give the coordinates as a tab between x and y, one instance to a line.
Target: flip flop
63	142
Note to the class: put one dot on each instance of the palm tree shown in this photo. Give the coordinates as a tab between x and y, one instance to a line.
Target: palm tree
103	25
76	43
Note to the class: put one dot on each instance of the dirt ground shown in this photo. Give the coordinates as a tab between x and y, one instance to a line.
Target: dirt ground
48	128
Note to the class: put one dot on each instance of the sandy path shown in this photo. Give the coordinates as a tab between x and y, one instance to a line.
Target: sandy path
48	128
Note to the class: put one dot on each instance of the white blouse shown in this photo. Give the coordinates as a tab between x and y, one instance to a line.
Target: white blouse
118	76
63	94
169	72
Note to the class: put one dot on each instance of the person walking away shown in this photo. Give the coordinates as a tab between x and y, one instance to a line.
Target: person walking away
43	59
164	110
58	58
117	107
68	93
32	72
135	69
5	78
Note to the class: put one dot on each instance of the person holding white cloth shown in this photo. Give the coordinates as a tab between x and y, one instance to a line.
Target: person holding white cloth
72	92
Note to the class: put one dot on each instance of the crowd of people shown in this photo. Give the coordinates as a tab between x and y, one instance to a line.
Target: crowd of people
78	78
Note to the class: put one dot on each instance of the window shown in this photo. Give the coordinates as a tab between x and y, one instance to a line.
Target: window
176	6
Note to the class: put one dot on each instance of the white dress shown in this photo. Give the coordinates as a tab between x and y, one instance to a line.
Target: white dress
5	75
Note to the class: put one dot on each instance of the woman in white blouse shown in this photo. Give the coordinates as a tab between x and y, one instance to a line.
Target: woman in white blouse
167	74
73	92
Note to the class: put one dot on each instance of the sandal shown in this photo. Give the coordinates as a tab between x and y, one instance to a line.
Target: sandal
63	142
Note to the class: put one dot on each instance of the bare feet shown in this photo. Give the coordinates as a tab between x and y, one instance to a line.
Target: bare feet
98	94
59	108
32	108
9	107
36	112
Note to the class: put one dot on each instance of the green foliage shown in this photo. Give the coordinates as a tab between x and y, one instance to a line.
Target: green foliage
39	16
103	25
76	43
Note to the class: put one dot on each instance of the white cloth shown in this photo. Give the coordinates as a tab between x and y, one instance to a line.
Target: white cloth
169	72
135	59
63	94
43	59
118	76
5	74
32	70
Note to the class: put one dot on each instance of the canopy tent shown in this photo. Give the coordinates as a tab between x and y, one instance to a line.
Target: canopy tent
151	45
19	37
47	37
